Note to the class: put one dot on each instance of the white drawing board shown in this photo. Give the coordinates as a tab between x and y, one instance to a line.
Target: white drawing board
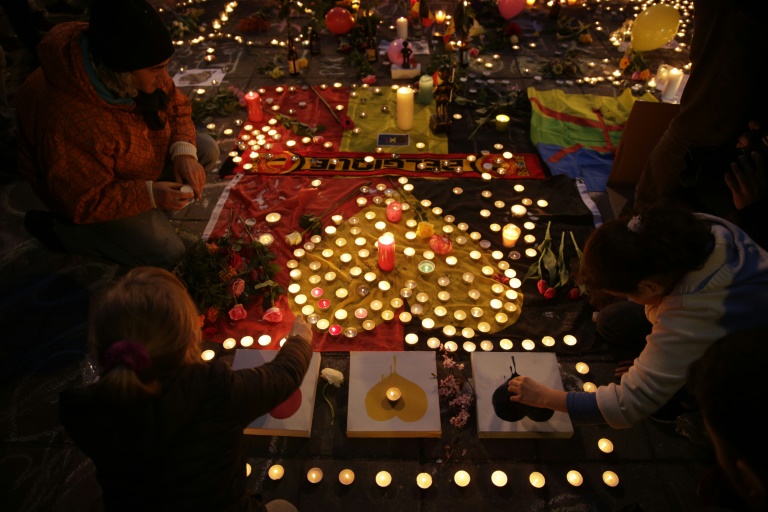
293	418
415	414
496	415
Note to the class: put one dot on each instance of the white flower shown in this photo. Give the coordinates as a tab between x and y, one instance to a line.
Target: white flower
293	238
334	377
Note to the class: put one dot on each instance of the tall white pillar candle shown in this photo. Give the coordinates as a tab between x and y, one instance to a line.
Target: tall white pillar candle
674	77
402	28
405	108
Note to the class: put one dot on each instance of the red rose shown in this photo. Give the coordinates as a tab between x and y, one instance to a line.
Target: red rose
237	287
440	244
235	260
237	312
542	285
550	293
500	278
212	314
209	332
574	294
273	315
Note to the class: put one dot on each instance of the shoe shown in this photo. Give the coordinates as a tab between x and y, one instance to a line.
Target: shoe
39	224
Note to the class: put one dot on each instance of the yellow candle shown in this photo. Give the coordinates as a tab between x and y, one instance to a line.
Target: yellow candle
610	478
461	478
393	394
314	475
502	121
383	478
347	476
574	478
424	480
537	479
605	445
405	108
509	235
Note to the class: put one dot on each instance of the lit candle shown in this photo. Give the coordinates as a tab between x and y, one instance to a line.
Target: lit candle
383	478
610	478
276	472
605	445
253	102
451	346
402	28
386	252
574	478
346	476
569	339
502	121
582	368
510	234
499	478
589	387
393	395
207	355
246	341
405	108
394	211
440	17
518	210
426	85
461	478
273	218
314	475
537	479
674	78
424	480
229	343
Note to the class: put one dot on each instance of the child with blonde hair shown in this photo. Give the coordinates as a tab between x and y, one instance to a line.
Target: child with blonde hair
163	428
698	277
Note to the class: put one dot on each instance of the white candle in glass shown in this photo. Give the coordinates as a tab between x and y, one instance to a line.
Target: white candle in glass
405	108
674	78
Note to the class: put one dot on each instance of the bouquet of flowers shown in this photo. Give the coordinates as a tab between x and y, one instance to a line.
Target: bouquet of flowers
553	271
224	275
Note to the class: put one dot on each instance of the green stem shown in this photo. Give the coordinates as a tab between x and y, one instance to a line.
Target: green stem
333	413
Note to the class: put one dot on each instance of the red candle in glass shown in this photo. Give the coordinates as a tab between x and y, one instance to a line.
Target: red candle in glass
323	303
386	252
335	329
253	102
394	211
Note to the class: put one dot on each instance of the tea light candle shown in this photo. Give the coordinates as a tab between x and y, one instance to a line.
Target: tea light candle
307	310
334	330
548	341
423	480
207	355
405	108
273	218
537	480
502	121
300	299
383	478
380	226
528	344
461	478
526	201
314	279
468	332
376	305
574	478
411	338
428	255
314	475
393	394
468	346
451	346
475	255
509	235
330	230
569	339
386	259
368	325
499	478
324	303
444	296
428	323
426	267
346	476
295	274
422	297
266	239
229	343
531	252
518	210
589	387
361	201
605	445
451	261
433	343
440	311
340	314
276	472
582	368
246	341
505	343
444	281
610	478
460	315
473	294
417	309
542	203
487	271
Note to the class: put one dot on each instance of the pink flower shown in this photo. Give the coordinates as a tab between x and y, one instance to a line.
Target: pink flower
273	314
550	293
212	314
370	79
237	312
474	52
542	285
237	287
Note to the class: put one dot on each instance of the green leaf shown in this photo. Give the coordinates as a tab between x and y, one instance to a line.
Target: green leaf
561	264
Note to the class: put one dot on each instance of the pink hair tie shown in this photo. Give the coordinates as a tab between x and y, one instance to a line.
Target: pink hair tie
128	353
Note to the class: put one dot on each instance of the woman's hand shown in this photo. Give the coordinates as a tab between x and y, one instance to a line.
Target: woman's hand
188	170
530	392
169	196
301	329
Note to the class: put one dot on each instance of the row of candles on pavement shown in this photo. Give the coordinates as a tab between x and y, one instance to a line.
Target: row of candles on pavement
461	478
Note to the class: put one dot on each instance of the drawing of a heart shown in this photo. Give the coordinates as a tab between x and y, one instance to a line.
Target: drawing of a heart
287	408
514	411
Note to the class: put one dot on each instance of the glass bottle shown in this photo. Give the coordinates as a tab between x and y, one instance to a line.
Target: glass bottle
293	57
314	42
372	49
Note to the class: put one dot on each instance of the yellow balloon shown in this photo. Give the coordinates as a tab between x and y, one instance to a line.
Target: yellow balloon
654	27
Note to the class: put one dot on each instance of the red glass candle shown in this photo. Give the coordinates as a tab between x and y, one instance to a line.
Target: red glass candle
253	102
386	252
335	330
323	303
394	211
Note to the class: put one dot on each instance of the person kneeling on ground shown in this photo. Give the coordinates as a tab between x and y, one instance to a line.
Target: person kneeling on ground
106	139
165	429
699	278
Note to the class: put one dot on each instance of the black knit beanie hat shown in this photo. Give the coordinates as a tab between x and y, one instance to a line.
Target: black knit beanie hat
126	35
